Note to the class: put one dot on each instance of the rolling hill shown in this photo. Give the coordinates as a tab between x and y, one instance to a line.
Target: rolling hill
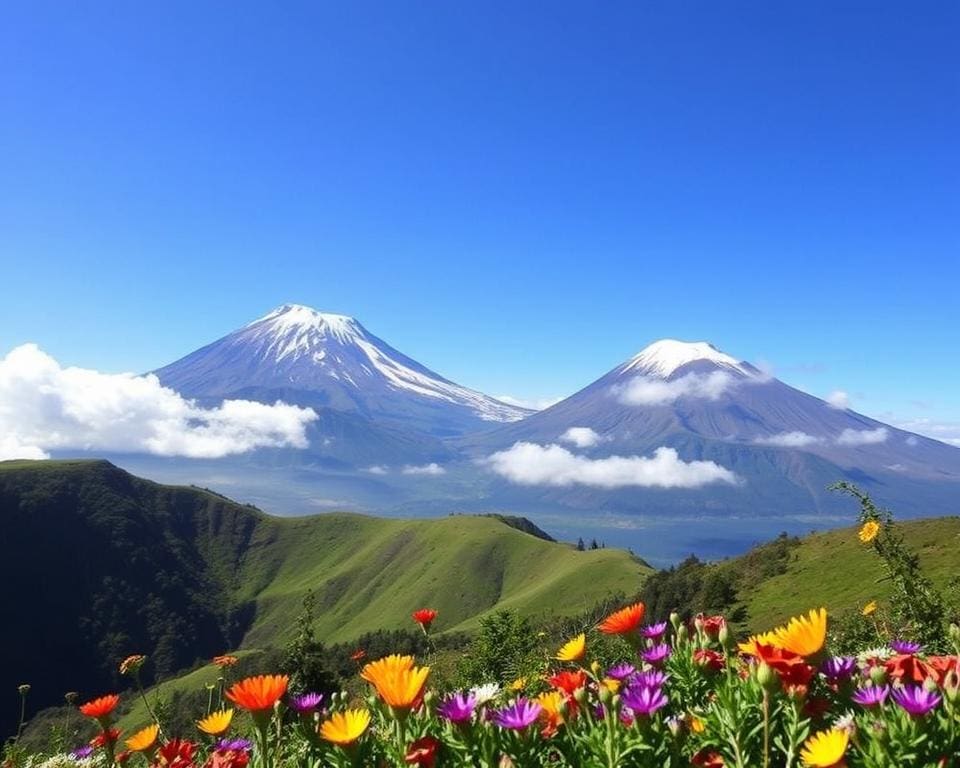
109	564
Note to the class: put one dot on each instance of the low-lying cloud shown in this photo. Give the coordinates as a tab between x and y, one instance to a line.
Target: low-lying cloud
863	436
532	404
649	390
789	440
45	407
532	464
838	399
582	437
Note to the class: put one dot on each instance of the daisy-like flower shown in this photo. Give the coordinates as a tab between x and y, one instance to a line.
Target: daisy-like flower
306	703
518	715
100	709
344	728
915	699
132	664
623	622
871	696
397	681
905	646
644	700
656	655
176	752
573	650
824	749
708	659
82	753
216	723
804	635
650	678
484	693
258	694
224	661
234	745
374	669
568	681
621	671
753	643
458	708
424	617
838	667
358	655
143	739
881	653
869	608
868	532
654	631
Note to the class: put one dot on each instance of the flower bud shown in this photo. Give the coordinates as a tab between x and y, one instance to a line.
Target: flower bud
930	685
951	685
878	675
24	689
429	697
682	634
580	695
767	676
675	620
595	668
698	622
606	695
726	640
71	697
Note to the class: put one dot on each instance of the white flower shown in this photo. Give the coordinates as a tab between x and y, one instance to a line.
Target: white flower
486	692
883	652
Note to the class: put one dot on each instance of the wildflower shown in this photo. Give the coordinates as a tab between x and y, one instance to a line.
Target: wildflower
651	678
643	700
424	617
216	723
708	659
623	622
225	661
915	699
458	708
176	753
790	666
422	752
100	709
838	667
258	694
804	635
234	745
654	631
82	753
105	737
871	696
942	666
713	624
869	608
358	655
907	668
824	749
122	757
697	725
23	689
519	684
755	641
905	646
143	739
518	715
397	681
306	703
869	530
657	655
568	681
132	664
573	650
621	671
344	728
484	693
707	759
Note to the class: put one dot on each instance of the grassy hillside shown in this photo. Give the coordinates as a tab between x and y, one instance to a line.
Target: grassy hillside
111	564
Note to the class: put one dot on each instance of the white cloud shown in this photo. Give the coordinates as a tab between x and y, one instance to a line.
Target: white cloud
838	399
912	441
789	439
646	390
582	437
376	469
863	436
943	430
427	469
44	407
533	404
532	464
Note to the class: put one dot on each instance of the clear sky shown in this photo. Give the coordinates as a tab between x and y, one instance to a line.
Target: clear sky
519	195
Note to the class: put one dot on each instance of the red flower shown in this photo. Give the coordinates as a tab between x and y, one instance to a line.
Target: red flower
713	624
358	655
795	673
424	617
708	659
623	622
104	738
423	752
568	681
909	669
176	753
100	708
227	759
943	665
705	759
123	757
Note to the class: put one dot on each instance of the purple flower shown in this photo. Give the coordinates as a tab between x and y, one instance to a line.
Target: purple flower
644	700
621	671
81	753
915	699
650	678
871	696
306	703
656	655
518	715
839	667
905	646
654	631
234	745
458	708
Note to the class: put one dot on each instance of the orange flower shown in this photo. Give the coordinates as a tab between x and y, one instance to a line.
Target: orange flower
100	708
225	661
869	531
398	682
909	669
358	655
143	739
424	617
623	622
568	681
260	693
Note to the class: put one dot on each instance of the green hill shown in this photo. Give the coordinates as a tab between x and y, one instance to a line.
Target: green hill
101	564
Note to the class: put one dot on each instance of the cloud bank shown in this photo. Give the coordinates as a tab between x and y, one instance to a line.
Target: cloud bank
532	464
863	436
646	390
582	437
789	440
838	399
45	407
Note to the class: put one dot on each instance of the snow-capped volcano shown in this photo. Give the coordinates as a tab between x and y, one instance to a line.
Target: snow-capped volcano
666	357
315	358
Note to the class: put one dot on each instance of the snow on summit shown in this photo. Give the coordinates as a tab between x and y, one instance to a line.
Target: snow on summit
664	357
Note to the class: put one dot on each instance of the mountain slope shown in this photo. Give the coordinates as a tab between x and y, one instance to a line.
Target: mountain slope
332	362
183	573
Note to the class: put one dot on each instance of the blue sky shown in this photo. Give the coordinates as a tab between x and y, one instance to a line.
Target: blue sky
519	195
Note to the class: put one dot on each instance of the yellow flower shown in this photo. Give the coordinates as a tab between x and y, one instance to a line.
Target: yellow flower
869	531
696	724
824	749
804	635
519	684
573	650
764	638
869	608
398	682
143	739
216	723
551	703
344	728
610	684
